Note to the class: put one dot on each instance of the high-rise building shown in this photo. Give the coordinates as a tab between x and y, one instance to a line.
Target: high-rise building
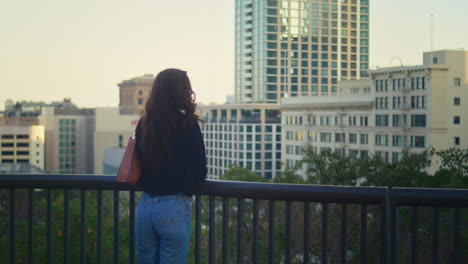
298	47
134	93
408	108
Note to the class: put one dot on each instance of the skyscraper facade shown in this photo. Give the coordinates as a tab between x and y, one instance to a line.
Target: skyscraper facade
293	48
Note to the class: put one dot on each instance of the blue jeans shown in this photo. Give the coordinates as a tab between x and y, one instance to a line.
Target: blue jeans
163	229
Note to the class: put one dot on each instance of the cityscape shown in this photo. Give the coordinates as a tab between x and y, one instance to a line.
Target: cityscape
308	108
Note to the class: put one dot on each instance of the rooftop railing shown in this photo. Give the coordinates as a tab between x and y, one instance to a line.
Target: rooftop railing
235	222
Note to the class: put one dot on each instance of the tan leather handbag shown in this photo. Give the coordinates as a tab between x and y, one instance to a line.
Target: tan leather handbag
130	167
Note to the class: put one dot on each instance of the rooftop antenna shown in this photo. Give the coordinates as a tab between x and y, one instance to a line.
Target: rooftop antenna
432	39
396	57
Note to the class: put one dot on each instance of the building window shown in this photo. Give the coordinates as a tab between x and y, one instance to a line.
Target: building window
352	138
398	141
383	155
435	60
381	140
456	82
417	141
381	120
456	101
325	137
312	136
364	154
364	121
396	121
340	137
456	120
456	141
397	156
140	101
364	139
120	141
418	120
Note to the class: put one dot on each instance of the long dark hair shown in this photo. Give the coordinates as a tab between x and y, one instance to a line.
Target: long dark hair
170	107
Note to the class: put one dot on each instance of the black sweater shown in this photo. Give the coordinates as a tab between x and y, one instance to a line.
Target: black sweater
181	172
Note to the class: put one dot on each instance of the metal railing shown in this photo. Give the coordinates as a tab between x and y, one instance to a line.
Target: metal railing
280	200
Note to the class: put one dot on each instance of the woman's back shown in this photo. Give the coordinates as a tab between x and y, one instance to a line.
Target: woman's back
180	168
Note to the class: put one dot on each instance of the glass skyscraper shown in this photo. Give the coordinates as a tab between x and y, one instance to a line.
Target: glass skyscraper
291	48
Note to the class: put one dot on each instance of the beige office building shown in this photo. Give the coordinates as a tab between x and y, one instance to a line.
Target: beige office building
111	137
134	93
409	108
69	139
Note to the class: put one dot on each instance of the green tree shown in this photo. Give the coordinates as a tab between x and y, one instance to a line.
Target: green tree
242	174
329	168
453	171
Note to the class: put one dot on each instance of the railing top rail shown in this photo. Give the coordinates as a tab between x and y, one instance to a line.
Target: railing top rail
255	190
402	196
295	192
251	190
63	181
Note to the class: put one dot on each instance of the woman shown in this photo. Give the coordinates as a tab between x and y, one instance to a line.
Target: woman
171	149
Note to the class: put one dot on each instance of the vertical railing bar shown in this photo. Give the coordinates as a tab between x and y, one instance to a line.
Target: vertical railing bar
306	232
240	229
30	226
287	256
393	234
325	233
414	234
49	226
254	231
225	230
435	235
83	226
197	228
132	227
384	230
66	226
343	249
99	226
363	238
116	225
211	237
456	235
12	226
271	230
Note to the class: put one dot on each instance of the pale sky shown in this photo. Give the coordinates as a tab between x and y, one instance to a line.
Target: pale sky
52	49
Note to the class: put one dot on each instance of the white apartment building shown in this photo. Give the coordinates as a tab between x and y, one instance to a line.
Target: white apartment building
21	144
409	108
244	135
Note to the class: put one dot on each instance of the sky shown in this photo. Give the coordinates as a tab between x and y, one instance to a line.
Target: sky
55	49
